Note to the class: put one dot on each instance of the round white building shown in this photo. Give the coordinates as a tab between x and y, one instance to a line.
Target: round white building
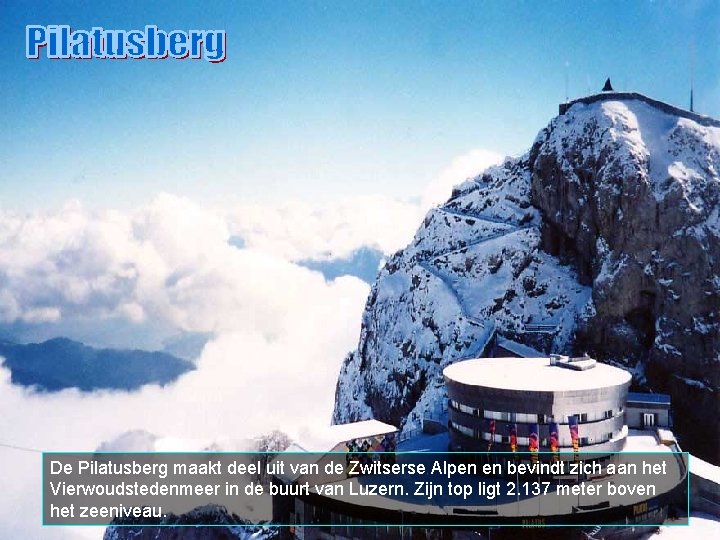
491	400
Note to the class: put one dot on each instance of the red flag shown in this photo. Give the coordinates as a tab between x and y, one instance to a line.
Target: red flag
491	430
534	439
554	440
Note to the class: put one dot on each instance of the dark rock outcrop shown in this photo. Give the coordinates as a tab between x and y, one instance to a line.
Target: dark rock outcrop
231	527
631	198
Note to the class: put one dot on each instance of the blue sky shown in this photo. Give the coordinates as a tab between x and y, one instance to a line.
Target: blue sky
323	99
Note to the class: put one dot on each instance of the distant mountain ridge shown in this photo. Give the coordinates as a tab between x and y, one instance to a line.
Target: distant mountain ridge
604	237
61	363
363	263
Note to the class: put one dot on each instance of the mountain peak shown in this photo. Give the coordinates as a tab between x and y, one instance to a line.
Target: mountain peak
604	237
611	95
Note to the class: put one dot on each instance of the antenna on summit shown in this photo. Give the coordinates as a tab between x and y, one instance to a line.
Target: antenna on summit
692	73
692	105
567	84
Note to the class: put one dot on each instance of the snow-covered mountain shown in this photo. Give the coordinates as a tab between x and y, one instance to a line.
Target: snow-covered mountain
604	237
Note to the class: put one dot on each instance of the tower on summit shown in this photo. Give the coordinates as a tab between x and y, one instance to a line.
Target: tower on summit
608	86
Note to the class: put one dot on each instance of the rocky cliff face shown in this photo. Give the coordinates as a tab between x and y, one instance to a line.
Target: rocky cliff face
604	237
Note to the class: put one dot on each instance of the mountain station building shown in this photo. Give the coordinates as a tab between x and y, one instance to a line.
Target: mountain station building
560	406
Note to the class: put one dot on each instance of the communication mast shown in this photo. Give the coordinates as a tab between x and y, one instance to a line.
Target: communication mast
692	74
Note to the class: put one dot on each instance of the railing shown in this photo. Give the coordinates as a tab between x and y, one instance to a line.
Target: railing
406	435
438	412
541	328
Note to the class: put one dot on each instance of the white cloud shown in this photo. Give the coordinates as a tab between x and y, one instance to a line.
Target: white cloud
297	230
247	382
461	168
169	262
279	330
280	333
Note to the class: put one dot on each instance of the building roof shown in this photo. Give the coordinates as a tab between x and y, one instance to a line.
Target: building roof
642	397
533	374
639	440
704	469
503	506
519	349
329	437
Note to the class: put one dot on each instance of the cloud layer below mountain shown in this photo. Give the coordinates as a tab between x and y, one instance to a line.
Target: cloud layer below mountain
170	268
279	330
